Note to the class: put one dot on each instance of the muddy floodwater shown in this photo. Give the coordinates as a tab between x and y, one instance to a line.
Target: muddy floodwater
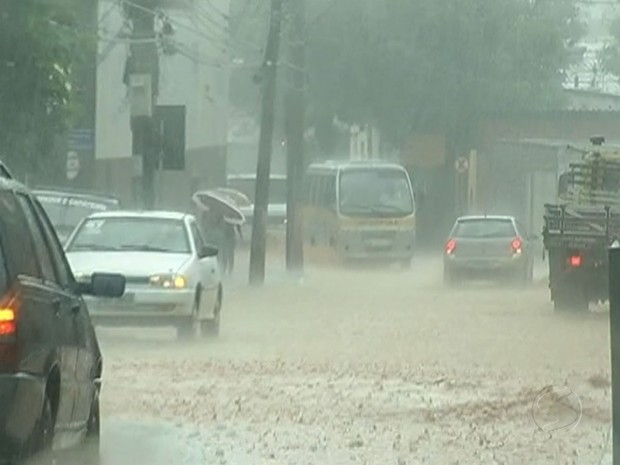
364	367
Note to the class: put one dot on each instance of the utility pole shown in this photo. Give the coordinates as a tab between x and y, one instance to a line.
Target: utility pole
295	118
142	76
265	145
614	337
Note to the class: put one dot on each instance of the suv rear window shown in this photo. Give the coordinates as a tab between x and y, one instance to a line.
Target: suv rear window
482	228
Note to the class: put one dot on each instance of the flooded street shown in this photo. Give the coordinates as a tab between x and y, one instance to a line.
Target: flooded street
359	367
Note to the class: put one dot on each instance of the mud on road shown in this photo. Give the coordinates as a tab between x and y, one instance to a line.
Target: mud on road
378	367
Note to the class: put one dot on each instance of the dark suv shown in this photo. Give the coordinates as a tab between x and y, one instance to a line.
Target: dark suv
50	363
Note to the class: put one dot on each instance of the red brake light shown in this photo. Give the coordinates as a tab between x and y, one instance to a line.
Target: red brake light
517	245
451	246
7	321
575	260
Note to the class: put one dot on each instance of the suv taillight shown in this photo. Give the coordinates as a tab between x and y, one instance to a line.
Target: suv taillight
517	245
8	317
450	246
8	322
575	261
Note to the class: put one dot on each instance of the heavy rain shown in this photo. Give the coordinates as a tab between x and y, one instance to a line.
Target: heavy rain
321	232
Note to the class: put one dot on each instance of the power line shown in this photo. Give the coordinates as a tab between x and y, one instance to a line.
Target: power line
217	10
197	17
209	17
173	21
107	13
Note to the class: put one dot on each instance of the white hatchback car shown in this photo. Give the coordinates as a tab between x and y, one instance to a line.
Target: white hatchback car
173	277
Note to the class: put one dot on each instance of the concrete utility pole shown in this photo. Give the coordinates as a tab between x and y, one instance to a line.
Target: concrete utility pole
265	145
614	330
295	128
142	77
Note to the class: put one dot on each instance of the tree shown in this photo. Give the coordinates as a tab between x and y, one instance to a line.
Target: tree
40	43
407	64
610	55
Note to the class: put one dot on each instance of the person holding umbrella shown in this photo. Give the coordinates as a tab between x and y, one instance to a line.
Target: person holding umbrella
223	220
230	245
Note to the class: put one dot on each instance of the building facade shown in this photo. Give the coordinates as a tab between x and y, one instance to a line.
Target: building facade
194	71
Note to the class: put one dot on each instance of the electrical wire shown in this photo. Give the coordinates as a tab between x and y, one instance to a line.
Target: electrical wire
209	17
217	10
197	17
186	51
107	13
172	21
242	17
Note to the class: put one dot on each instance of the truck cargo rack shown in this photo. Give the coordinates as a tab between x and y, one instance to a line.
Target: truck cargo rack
582	221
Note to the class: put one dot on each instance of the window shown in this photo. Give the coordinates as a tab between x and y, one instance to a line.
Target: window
15	238
199	241
40	245
132	234
485	228
313	189
328	192
62	267
383	192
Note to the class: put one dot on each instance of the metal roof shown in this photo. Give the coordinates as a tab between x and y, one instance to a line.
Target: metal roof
142	214
68	191
485	217
344	164
252	177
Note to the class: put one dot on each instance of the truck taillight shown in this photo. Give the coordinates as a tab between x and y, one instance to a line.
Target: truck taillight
575	261
8	322
517	245
450	246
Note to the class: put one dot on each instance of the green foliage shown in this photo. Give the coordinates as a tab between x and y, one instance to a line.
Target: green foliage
610	55
407	64
40	44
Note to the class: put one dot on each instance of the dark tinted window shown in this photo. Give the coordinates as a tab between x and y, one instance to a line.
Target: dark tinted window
4	275
40	245
16	238
482	228
62	267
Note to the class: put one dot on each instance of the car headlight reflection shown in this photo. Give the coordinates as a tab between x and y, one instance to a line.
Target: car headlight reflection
168	281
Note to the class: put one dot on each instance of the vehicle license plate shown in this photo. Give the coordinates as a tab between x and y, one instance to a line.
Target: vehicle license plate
379	243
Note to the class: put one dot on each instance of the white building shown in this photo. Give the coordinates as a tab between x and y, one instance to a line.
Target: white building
196	76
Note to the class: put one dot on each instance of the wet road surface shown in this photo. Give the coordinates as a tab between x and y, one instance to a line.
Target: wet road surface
359	367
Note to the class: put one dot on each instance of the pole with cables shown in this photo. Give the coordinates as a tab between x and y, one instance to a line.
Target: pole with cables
142	76
265	146
295	125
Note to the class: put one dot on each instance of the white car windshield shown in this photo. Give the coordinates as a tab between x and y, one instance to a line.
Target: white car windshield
131	234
